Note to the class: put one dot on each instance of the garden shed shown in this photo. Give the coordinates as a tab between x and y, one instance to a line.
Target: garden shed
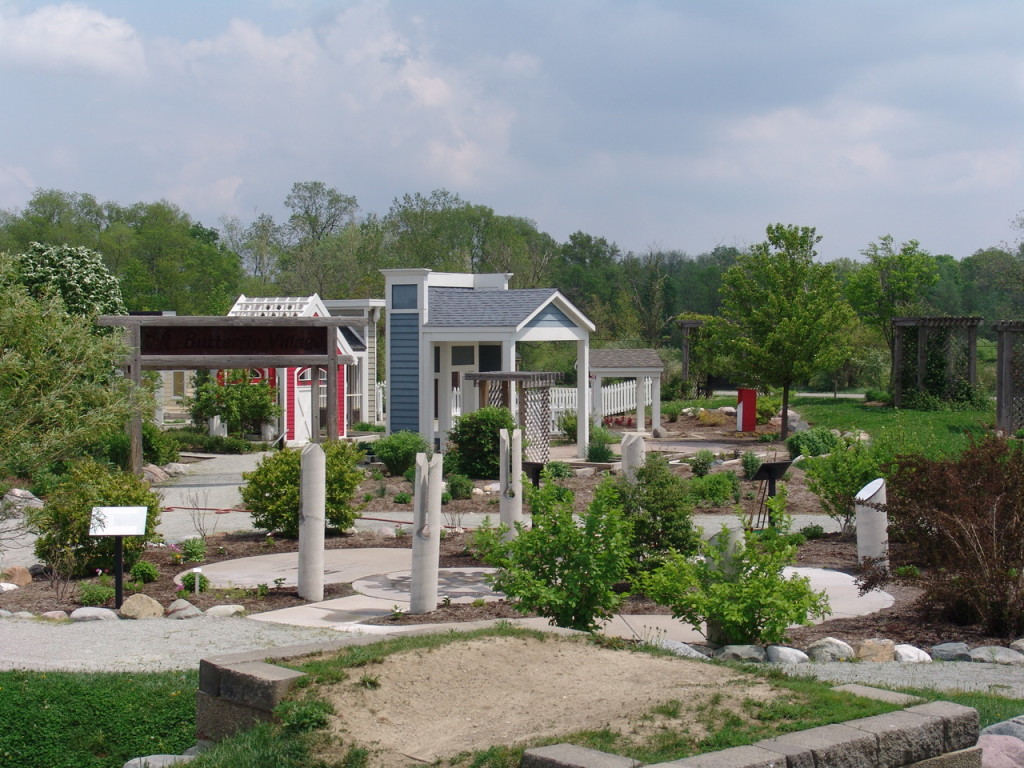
442	326
643	365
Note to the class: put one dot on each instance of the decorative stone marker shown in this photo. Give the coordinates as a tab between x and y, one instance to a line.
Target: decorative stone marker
633	450
426	533
872	523
510	478
312	522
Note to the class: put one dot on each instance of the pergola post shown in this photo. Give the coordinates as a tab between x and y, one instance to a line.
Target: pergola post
582	397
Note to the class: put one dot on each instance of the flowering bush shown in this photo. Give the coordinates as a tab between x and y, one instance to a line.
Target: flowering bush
77	275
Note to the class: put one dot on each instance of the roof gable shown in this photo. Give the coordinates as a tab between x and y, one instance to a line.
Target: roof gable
466	307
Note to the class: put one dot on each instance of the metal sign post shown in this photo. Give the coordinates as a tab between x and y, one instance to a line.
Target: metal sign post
118	522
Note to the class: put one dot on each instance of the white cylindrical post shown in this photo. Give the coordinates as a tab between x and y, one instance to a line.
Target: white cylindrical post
426	533
872	523
312	522
510	478
634	450
197	575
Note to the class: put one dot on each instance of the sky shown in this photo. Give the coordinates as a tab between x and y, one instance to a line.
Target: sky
662	124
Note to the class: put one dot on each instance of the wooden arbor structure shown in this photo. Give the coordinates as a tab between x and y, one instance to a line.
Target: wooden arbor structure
173	342
1010	375
920	341
533	398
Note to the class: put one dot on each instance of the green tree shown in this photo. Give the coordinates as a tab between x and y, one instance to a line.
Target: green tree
893	283
242	405
783	316
76	275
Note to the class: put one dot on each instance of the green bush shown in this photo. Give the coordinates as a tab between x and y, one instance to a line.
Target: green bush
410	475
813	531
562	568
714	490
145	572
659	511
366	426
271	493
877	396
745	595
97	594
460	486
195	439
559	470
599	452
243	406
474	438
768	408
701	463
157	447
62	525
672	410
837	478
403	498
568	424
751	463
188	582
193	550
398	451
812	442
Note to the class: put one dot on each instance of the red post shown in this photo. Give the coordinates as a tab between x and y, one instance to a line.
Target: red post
746	410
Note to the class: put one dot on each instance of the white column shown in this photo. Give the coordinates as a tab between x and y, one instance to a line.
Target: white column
444	395
510	479
656	402
312	521
426	533
641	402
597	414
872	522
633	450
582	397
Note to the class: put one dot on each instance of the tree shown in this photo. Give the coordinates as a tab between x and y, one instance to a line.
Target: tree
318	211
783	316
76	275
893	283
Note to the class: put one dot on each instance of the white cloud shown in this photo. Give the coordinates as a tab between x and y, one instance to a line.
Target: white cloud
71	38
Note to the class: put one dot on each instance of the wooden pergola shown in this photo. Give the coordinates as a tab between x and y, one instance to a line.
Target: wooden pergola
160	342
928	328
532	400
1010	375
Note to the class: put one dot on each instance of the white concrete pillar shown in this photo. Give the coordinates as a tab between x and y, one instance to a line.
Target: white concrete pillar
444	395
510	478
582	397
216	427
872	522
426	533
641	402
312	522
655	402
634	451
597	414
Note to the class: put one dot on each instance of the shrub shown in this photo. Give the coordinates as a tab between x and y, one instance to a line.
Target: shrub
446	498
877	396
715	490
188	582
157	447
812	442
398	450
658	509
837	478
712	418
672	410
96	594
145	572
751	463
410	475
403	498
560	568
701	463
568	425
813	531
599	452
460	486
271	493
194	439
958	515
743	595
242	405
63	524
193	550
475	440
366	426
768	408
559	470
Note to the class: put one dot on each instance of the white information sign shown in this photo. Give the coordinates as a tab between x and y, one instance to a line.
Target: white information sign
118	521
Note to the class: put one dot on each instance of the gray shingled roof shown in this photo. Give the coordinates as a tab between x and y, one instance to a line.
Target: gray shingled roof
624	359
467	307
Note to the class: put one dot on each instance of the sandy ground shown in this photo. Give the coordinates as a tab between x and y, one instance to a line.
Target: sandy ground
430	705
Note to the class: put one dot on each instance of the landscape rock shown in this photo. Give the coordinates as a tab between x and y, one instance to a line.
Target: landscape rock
92	613
951	652
157	761
1017	645
681	649
1012	727
996	654
1001	751
830	649
658	432
37	570
18	500
782	654
155	474
749	653
24	615
140	606
54	616
876	649
16	574
224	611
908	654
6	586
182	609
5	614
728	410
174	469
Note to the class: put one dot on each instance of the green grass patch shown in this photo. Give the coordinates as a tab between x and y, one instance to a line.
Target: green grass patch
94	720
931	433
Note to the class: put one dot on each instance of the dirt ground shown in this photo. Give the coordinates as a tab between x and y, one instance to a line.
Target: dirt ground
425	706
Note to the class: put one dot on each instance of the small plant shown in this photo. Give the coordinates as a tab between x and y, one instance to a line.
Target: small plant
813	442
279	582
376	474
599	452
410	475
369	682
474	440
712	418
767	437
813	531
908	572
398	451
368	497
96	594
479	603
751	463
446	601
460	486
188	582
559	470
305	716
403	498
701	463
400	532
365	426
396	612
268	542
446	498
145	572
672	410
714	490
193	550
568	425
262	590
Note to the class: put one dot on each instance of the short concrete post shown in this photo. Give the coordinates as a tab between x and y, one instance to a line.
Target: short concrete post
510	478
734	543
426	533
216	427
634	451
312	522
872	523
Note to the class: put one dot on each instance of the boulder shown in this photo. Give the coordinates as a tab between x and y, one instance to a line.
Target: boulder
876	649
1012	727
140	606
18	500
830	649
1017	645
16	574
24	615
781	654
1001	751
174	469
659	432
91	613
951	652
5	614
728	410
750	653
585	472
154	474
54	616
681	649
182	609
223	611
908	654
6	586
996	654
